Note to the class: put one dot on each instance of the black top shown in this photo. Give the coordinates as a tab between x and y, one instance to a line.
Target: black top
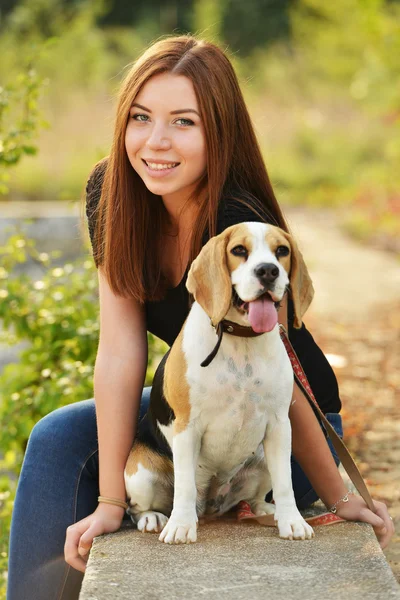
166	317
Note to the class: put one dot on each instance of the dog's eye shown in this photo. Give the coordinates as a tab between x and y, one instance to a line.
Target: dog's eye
282	251
239	251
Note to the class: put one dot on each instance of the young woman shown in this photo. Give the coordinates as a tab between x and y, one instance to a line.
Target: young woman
184	165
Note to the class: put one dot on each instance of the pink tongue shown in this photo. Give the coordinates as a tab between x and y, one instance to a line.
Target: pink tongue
263	315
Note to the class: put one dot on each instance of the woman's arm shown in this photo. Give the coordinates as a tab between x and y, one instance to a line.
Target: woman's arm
119	376
118	385
311	450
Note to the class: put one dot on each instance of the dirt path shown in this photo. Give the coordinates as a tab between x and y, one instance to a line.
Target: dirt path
351	281
355	318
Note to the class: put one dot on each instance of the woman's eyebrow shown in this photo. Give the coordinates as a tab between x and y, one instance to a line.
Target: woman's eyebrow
173	112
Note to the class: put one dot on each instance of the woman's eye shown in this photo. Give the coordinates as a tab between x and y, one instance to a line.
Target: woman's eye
282	251
187	121
140	120
239	251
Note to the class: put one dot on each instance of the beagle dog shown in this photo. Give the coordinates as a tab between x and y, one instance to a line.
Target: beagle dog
217	430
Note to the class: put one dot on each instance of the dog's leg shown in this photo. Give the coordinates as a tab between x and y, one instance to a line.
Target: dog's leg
277	449
204	478
149	487
252	483
258	504
182	524
150	500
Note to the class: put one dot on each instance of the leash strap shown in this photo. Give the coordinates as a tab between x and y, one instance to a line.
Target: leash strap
244	510
210	357
244	513
344	455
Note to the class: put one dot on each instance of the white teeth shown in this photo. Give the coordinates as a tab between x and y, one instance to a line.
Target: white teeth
159	167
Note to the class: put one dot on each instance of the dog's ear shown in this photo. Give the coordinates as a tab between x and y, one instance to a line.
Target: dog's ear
209	279
300	282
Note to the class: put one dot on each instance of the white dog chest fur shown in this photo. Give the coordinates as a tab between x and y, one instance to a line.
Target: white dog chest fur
249	384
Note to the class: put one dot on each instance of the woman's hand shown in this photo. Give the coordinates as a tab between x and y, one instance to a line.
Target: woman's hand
357	510
105	519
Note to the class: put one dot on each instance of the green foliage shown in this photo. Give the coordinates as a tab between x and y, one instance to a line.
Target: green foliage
56	317
244	25
254	24
353	45
81	55
208	16
19	120
327	113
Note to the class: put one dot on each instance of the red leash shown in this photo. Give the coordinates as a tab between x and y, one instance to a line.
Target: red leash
244	513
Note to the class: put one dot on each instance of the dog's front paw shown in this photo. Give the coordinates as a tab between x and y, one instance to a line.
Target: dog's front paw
292	526
262	508
151	521
180	529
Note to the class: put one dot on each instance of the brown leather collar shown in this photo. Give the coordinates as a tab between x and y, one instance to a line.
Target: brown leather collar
239	330
226	326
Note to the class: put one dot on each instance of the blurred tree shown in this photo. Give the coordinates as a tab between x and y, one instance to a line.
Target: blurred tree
20	118
46	18
263	19
208	18
170	15
6	6
245	26
256	23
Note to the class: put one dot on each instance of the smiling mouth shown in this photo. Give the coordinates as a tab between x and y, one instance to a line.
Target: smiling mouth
161	166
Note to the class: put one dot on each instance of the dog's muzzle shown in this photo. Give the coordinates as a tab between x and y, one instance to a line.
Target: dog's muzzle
244	306
234	328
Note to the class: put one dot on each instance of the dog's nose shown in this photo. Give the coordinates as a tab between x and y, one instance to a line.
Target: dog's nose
266	272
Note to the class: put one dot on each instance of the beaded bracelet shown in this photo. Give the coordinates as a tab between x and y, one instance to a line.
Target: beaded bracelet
333	509
114	501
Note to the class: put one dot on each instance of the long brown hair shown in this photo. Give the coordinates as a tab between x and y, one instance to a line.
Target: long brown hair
130	217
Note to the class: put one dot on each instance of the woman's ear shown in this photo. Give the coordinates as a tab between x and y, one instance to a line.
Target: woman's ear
301	286
209	279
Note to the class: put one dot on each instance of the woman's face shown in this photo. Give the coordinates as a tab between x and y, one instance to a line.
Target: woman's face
165	128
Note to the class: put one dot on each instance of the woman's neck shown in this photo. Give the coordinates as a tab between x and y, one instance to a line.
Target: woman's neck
181	216
179	225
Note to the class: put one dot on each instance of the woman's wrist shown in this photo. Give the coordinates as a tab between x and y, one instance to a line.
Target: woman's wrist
113	501
334	491
353	509
111	510
336	506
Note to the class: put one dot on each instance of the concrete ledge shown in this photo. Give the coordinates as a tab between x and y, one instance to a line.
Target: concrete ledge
241	561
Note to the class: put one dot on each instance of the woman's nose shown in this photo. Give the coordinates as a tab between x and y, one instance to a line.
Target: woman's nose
158	138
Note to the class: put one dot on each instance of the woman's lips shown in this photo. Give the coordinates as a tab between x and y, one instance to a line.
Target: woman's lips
159	172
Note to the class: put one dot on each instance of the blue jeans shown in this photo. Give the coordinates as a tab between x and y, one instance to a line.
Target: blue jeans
58	486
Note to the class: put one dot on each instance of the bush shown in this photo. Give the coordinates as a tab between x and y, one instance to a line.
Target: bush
56	317
19	120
